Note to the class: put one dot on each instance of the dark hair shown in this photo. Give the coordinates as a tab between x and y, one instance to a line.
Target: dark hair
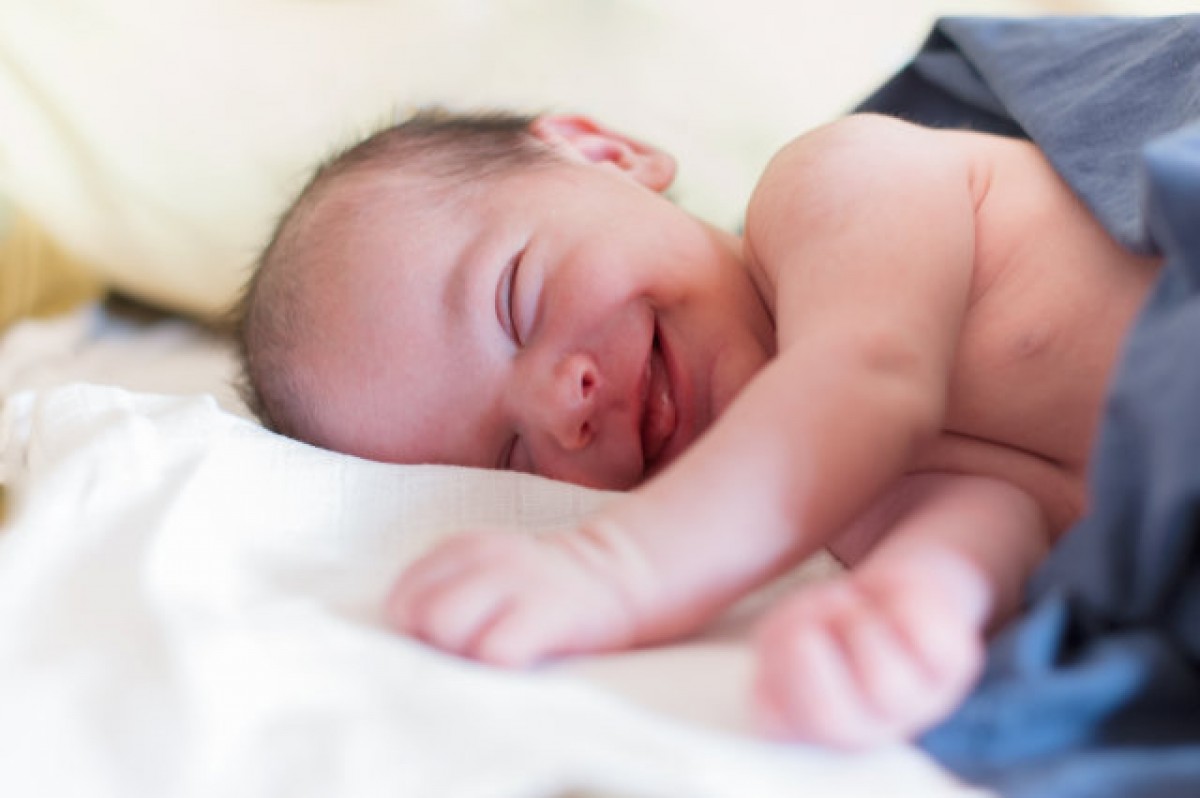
452	148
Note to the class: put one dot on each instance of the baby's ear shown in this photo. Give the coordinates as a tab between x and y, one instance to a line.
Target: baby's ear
582	138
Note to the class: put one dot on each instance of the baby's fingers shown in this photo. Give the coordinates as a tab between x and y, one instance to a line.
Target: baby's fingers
430	582
508	600
805	691
529	630
456	614
896	687
842	665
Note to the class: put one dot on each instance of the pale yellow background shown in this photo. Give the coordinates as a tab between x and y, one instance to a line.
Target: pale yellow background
155	141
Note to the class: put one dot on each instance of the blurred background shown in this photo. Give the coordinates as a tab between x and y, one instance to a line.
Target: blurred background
149	145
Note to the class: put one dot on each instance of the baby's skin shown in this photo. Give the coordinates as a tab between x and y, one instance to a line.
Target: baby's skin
903	360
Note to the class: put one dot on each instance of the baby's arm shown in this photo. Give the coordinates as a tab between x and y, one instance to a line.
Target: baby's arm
887	650
865	230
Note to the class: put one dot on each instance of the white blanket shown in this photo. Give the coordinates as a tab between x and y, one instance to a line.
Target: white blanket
189	607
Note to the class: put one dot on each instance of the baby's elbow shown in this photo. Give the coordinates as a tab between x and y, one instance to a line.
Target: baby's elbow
902	381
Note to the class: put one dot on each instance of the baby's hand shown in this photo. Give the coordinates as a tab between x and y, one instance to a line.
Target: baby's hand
512	599
853	663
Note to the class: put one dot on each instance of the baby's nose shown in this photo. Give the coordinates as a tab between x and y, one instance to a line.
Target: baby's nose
569	401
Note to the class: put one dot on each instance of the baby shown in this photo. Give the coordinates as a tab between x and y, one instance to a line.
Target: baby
903	359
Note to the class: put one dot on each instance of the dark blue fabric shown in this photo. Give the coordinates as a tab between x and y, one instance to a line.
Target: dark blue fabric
1095	690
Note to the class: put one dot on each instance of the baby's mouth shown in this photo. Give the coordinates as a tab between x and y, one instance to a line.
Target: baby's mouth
658	414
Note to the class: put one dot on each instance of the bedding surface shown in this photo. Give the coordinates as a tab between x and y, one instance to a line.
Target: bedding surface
1096	692
188	606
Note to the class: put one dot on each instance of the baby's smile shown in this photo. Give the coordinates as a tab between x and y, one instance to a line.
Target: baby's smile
659	417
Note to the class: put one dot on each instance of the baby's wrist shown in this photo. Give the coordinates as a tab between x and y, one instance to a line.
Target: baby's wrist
606	552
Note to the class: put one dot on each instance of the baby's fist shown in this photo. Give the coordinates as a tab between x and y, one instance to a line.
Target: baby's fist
854	663
510	599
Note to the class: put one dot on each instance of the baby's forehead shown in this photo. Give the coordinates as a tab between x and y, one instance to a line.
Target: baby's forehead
386	187
354	207
384	212
384	232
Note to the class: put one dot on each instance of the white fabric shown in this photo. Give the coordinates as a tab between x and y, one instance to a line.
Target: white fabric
189	607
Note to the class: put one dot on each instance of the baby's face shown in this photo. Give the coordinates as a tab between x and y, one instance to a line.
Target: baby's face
565	321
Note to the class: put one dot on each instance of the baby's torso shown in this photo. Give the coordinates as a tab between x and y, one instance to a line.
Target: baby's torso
1052	297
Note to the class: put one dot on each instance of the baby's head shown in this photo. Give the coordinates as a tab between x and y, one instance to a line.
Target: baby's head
500	291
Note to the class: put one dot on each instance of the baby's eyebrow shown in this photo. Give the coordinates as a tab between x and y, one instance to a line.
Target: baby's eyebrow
474	278
466	266
456	289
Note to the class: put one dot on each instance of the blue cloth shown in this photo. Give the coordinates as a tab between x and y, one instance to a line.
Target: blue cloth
1095	690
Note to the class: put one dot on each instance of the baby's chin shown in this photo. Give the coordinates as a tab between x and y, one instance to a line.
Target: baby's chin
655	468
678	445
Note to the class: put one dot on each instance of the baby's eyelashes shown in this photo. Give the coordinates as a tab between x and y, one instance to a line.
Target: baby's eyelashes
505	291
508	299
514	457
506	455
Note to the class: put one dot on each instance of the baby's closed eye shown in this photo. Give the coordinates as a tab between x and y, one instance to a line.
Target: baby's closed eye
506	299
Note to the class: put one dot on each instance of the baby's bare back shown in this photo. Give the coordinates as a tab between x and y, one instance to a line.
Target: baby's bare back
1052	298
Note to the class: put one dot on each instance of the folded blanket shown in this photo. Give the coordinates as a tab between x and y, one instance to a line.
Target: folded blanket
1096	691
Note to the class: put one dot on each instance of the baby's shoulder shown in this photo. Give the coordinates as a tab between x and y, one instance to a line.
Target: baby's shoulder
857	144
865	183
833	168
861	151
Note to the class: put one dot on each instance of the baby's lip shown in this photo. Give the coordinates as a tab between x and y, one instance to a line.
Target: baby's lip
659	416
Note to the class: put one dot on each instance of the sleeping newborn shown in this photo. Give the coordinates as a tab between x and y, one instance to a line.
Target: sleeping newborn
903	359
